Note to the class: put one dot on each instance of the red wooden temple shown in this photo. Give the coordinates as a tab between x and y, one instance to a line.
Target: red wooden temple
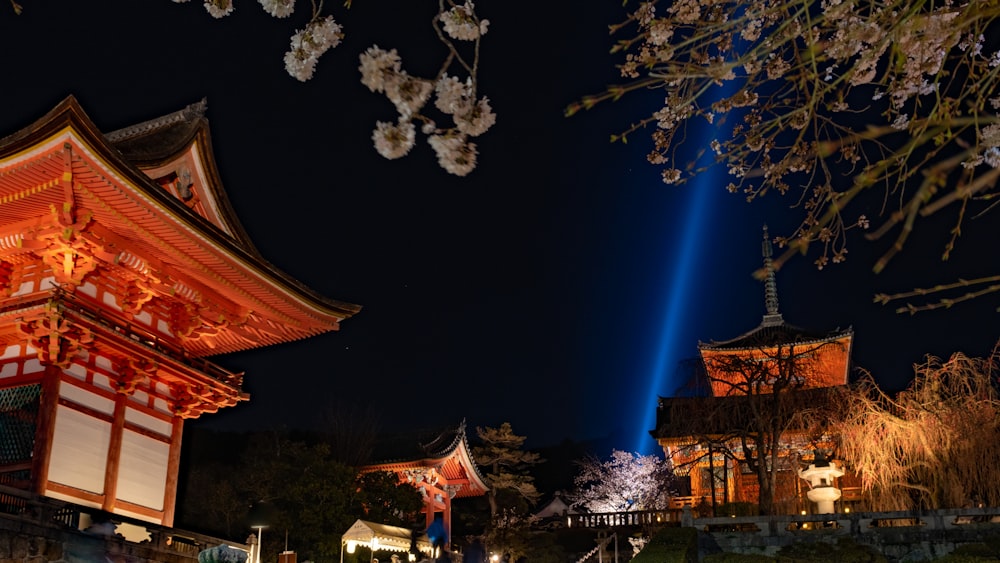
122	268
701	462
438	463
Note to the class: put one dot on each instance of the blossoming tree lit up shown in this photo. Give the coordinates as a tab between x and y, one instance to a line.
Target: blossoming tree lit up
623	483
831	102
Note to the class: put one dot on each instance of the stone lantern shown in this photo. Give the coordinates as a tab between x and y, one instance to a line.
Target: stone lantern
820	475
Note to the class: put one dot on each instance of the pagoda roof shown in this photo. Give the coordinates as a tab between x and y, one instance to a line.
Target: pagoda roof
163	140
769	334
151	199
444	449
158	139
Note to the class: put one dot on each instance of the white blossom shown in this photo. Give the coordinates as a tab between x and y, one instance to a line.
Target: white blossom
477	120
319	35
376	64
278	8
454	153
393	140
686	11
300	64
626	482
990	135
407	93
452	96
308	44
460	22
219	8
671	175
660	33
992	157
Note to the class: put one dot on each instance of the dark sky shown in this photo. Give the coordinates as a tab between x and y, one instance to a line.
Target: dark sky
556	287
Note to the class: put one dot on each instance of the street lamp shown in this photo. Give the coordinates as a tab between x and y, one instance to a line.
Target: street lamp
260	516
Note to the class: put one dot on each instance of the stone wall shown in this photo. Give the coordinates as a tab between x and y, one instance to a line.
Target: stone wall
900	536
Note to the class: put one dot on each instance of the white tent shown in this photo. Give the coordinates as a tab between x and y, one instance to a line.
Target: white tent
376	536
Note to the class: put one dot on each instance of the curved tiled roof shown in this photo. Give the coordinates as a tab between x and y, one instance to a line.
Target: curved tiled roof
446	449
418	444
774	334
159	138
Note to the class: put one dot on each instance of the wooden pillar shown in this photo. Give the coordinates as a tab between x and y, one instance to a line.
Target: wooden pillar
45	429
428	508
447	519
114	454
173	467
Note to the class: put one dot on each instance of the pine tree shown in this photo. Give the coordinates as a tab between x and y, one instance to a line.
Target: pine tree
501	451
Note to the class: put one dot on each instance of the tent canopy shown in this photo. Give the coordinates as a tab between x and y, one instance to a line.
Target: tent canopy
383	536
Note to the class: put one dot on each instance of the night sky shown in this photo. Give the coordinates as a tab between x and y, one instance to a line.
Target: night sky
556	287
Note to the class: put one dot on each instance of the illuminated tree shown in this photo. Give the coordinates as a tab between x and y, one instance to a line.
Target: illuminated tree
763	415
932	445
844	106
626	482
501	453
512	490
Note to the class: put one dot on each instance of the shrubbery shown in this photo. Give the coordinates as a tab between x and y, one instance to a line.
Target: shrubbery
670	545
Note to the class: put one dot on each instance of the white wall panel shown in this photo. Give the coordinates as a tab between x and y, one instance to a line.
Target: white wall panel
142	473
86	398
103	362
77	370
88	288
33	365
79	450
149	422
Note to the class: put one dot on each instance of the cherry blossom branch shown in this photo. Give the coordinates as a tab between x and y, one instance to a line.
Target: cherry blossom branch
837	103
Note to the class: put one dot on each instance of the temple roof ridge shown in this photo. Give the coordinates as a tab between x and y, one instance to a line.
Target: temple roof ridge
188	114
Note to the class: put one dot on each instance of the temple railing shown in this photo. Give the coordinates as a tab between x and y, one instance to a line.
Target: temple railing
791	523
613	519
23	512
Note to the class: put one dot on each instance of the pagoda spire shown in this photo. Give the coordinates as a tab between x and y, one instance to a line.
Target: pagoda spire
772	317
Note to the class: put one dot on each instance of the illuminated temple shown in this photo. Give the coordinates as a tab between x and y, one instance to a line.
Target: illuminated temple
122	269
703	433
438	463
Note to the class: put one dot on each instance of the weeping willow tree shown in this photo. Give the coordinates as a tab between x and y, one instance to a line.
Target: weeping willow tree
933	445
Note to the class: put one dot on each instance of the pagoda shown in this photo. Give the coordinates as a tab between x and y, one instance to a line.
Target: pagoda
735	378
122	269
438	463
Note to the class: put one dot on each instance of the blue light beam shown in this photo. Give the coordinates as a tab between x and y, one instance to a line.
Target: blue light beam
678	311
